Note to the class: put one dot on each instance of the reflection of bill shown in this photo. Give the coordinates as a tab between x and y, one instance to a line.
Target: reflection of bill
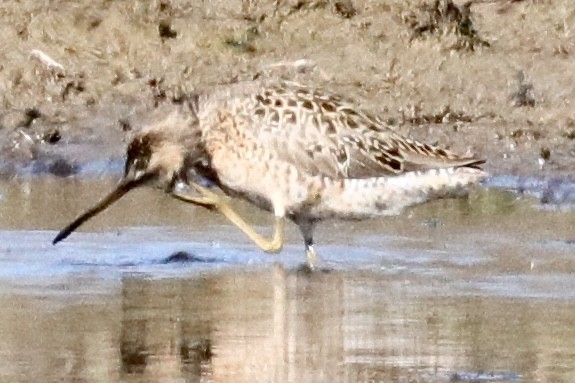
158	339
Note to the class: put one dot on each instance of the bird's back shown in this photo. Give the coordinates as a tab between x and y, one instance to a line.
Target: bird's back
322	133
295	137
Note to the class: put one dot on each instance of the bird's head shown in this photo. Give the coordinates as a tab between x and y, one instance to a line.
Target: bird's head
152	158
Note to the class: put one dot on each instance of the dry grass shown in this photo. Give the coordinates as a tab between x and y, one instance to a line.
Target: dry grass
142	52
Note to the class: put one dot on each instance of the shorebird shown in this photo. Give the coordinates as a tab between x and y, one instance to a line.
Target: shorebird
301	153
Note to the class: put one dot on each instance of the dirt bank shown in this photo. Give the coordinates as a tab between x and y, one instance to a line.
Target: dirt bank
495	77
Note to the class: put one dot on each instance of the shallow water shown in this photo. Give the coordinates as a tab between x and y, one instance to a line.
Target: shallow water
474	290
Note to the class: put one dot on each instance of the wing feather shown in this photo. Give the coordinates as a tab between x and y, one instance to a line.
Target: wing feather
324	134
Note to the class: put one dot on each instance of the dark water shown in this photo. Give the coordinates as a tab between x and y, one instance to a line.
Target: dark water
480	290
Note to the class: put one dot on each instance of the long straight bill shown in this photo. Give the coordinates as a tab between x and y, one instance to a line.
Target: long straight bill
124	186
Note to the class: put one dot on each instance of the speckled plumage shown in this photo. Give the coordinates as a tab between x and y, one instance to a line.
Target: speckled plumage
293	142
299	152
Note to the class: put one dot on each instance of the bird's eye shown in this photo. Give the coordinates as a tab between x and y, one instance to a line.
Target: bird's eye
137	164
138	155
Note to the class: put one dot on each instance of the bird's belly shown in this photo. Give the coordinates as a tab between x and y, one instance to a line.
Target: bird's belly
272	193
255	199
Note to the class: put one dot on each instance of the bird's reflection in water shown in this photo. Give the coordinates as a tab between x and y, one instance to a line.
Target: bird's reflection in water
284	325
256	325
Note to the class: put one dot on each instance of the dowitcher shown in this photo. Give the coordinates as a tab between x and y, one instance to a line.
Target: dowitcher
301	153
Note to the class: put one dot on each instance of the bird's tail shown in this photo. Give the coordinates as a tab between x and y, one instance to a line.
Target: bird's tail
390	195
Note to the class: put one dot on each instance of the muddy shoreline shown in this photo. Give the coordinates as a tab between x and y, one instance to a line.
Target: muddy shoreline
488	79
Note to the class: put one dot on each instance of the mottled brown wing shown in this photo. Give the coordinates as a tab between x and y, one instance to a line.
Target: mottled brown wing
323	134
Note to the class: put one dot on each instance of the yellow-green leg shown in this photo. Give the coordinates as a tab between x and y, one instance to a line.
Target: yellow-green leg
210	199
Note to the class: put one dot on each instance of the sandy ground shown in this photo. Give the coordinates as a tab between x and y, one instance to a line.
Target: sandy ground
494	78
